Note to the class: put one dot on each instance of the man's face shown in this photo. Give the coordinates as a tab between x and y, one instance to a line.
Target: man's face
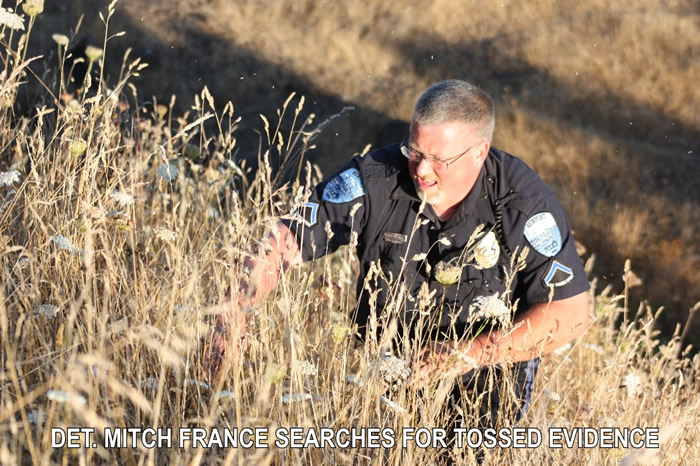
444	188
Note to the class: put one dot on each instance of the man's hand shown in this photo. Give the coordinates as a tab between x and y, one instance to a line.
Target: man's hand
220	340
445	358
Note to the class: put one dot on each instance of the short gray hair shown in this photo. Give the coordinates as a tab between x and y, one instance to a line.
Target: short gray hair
455	100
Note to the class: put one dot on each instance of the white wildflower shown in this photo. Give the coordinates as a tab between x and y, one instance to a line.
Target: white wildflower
296	397
123	199
391	370
11	20
168	172
65	244
65	397
164	234
305	368
48	310
562	349
489	308
632	383
7	178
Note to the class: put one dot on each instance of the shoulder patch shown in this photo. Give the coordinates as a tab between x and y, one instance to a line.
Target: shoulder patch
306	214
557	275
345	187
542	232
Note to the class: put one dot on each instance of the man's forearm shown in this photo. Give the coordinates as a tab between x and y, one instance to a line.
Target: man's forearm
263	271
541	329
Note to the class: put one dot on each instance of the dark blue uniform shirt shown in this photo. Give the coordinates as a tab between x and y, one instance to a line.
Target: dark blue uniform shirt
373	197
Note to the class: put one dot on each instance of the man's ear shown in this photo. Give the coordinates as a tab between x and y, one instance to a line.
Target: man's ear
479	156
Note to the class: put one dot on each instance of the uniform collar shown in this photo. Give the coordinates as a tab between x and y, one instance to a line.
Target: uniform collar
475	205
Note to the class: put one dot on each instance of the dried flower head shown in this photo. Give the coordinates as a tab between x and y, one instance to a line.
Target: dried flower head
164	234
392	370
48	310
33	7
489	308
446	273
60	39
123	199
340	332
65	244
305	368
93	53
77	148
7	178
11	20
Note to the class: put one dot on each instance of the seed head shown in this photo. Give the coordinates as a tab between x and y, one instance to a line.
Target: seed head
60	39
93	53
33	7
77	148
447	274
340	332
48	310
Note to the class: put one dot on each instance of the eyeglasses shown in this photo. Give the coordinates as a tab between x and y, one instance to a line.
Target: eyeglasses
438	164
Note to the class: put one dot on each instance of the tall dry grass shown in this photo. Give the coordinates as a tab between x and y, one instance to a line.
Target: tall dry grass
118	247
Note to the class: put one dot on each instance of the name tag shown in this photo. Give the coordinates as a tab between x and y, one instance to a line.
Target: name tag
396	238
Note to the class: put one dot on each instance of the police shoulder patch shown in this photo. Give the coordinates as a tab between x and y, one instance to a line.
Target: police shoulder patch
542	232
307	213
345	187
557	275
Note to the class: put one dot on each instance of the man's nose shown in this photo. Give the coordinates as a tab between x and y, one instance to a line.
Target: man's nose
423	168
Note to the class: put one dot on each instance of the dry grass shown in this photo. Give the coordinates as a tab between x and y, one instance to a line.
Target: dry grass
101	328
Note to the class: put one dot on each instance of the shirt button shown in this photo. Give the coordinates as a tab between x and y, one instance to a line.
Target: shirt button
486	283
491	179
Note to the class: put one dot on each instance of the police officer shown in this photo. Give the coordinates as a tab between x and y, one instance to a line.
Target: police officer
439	221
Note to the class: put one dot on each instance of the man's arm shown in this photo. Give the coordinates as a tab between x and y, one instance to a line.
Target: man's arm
540	330
263	271
280	252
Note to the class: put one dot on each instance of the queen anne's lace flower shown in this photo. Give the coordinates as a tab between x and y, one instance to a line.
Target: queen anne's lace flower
305	368
48	310
489	308
7	178
392	370
65	244
164	234
122	199
447	274
11	20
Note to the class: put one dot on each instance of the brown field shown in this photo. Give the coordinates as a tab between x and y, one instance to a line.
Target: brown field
599	99
101	328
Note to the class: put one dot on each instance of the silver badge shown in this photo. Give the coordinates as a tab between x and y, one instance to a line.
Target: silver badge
487	251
